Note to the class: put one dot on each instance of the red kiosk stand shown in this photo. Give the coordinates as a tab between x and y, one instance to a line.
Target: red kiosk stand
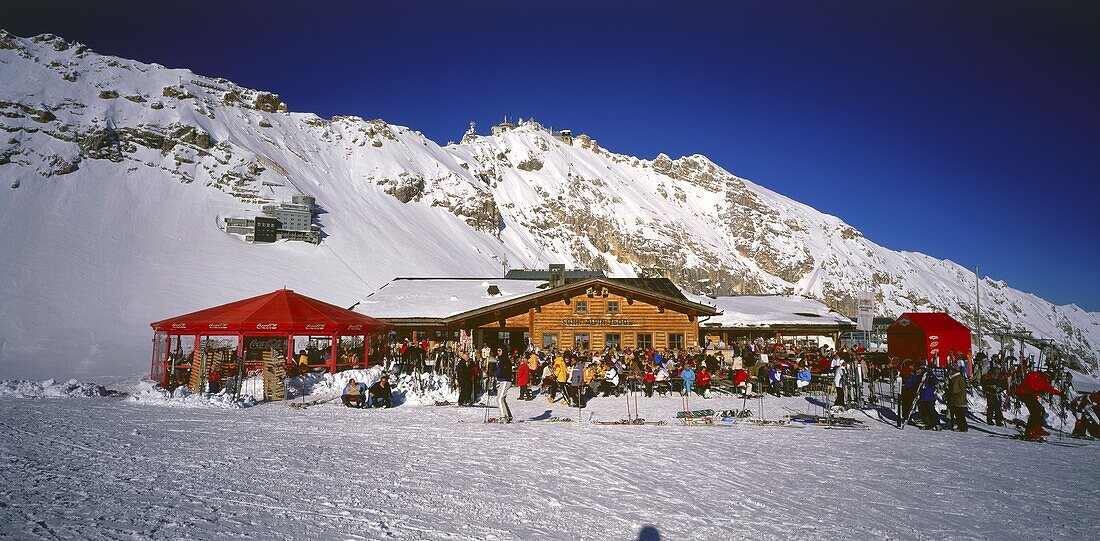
245	335
923	336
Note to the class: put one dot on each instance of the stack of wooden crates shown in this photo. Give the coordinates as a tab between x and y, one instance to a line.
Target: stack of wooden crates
274	377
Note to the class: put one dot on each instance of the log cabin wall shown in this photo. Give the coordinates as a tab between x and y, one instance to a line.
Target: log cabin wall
633	322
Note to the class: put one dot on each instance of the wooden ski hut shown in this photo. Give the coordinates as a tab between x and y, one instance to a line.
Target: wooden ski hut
927	336
587	313
265	333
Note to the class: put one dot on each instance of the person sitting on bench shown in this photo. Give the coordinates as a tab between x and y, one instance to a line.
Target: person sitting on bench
804	378
648	380
354	393
743	381
610	382
380	394
660	379
702	381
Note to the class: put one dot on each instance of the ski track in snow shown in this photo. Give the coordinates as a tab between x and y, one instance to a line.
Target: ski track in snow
103	468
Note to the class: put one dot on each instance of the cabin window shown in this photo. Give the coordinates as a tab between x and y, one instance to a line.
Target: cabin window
676	340
549	340
581	341
613	307
613	339
645	340
581	307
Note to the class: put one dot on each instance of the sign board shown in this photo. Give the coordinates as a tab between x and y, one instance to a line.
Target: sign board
865	319
596	322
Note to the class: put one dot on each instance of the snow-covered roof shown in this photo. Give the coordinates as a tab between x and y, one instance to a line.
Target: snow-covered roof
755	311
440	297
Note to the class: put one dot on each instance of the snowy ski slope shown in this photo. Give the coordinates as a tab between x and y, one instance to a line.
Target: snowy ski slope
115	175
105	468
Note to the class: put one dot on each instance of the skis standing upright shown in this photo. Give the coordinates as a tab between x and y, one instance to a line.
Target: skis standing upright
896	388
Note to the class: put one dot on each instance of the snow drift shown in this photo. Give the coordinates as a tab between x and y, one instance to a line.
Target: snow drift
52	389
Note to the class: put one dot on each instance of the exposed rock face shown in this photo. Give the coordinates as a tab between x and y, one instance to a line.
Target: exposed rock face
541	198
530	164
697	170
269	103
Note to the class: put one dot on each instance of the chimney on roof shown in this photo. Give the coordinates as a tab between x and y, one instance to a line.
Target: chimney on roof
557	275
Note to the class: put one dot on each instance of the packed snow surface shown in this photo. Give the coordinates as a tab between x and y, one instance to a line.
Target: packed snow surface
107	468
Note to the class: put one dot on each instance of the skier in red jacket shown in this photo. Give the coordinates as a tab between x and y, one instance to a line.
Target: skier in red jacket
702	381
523	378
1034	385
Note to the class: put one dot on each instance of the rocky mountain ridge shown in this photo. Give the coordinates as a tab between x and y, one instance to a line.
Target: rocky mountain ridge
85	134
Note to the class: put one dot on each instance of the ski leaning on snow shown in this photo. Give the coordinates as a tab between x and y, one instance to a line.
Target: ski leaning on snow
695	414
499	421
830	421
638	421
735	421
1020	437
304	405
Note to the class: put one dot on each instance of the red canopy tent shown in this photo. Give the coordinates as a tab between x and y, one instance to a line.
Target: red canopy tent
281	313
924	336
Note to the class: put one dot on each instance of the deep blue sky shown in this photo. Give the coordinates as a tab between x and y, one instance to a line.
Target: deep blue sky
965	130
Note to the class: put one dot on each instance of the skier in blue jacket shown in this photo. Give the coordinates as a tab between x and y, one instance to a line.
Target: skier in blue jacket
804	378
926	402
688	375
775	378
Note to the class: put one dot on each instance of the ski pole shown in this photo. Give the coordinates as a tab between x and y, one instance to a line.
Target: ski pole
636	399
628	404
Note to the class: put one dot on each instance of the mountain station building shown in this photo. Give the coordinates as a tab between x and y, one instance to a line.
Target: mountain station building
790	319
548	308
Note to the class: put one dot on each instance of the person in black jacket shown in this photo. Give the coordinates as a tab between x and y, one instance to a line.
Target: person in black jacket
993	384
909	387
379	394
464	372
1085	408
763	377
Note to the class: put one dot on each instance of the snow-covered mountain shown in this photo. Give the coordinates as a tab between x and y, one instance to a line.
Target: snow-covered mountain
115	175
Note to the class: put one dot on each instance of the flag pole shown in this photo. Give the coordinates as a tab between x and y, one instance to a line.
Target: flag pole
978	303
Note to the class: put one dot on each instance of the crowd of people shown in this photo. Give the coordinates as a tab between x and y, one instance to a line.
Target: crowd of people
572	377
848	375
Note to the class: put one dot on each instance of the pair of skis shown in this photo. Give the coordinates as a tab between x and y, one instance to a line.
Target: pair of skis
304	405
634	421
1044	441
498	420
